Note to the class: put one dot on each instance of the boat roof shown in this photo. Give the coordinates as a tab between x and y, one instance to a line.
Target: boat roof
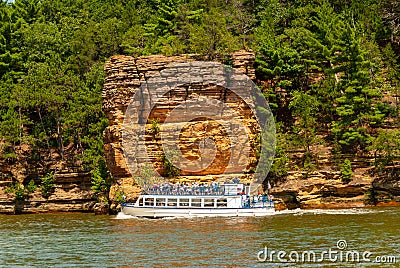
187	196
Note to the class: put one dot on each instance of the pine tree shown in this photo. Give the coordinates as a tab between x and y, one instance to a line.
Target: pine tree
211	37
11	61
386	147
305	107
357	106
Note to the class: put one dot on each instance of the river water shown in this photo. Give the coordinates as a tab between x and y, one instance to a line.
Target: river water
85	240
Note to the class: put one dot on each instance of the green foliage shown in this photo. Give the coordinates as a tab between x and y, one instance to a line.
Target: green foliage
17	189
147	176
356	107
211	36
392	63
10	130
51	76
101	179
323	66
386	147
31	187
47	184
305	107
169	169
120	196
346	171
155	127
279	167
310	163
280	164
280	65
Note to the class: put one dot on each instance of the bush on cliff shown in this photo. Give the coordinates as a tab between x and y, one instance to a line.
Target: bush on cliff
17	189
47	184
346	171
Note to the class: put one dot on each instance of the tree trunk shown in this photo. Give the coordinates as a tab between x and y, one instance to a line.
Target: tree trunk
45	133
60	137
21	124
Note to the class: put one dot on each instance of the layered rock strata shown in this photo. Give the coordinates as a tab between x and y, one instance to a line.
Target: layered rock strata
71	192
324	188
125	76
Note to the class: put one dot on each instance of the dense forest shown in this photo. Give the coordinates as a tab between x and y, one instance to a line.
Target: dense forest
330	70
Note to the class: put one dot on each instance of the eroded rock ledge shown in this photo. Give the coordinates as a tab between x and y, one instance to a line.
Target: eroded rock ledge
323	189
72	193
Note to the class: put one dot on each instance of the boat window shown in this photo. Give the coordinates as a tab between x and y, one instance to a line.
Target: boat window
196	202
172	202
160	202
208	202
140	202
230	189
149	202
221	202
184	202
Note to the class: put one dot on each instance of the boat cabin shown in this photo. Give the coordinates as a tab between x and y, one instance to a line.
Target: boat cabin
232	196
173	201
199	200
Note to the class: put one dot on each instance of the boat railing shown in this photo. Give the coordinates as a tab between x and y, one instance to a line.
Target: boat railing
196	189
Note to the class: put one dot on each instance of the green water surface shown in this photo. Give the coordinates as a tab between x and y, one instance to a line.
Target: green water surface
85	240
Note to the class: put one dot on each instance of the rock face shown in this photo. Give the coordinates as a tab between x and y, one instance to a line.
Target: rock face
71	192
324	188
68	190
321	190
124	77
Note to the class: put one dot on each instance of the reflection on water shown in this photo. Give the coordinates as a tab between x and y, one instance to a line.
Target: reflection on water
84	240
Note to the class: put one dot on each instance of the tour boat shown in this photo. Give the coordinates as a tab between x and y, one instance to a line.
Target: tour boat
231	199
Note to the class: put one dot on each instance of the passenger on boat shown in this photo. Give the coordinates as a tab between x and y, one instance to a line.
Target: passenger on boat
265	198
184	189
255	199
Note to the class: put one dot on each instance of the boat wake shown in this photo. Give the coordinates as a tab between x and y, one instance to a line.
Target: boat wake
123	216
347	211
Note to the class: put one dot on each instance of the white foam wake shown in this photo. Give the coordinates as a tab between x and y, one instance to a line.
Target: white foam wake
346	211
123	216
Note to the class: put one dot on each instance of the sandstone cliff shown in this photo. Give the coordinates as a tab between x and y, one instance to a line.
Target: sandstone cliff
125	75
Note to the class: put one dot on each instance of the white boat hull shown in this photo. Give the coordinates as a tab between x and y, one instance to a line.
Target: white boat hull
160	212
